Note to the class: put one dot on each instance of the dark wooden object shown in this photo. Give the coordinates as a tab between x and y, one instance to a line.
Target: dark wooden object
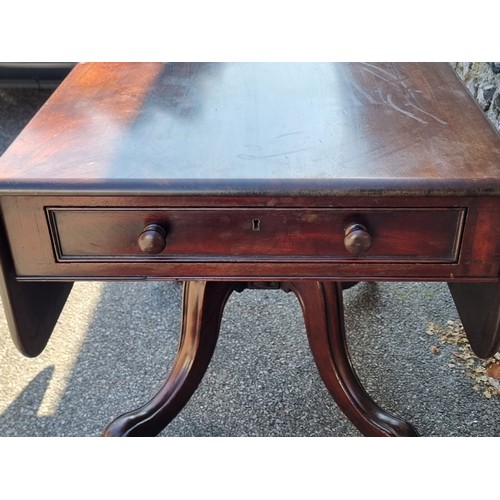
478	307
203	306
307	177
31	309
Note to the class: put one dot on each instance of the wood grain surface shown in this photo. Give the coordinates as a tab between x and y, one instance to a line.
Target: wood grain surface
225	128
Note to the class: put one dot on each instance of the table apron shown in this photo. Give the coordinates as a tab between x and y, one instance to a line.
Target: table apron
95	238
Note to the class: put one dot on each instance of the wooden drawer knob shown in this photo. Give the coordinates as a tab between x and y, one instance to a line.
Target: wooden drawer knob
357	239
153	239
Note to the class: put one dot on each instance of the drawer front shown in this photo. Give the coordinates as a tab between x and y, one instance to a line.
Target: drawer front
255	234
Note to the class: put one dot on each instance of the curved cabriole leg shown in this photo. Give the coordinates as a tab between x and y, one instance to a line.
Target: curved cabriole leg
324	318
202	307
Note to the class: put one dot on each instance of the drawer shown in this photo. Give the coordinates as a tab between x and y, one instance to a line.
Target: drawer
253	234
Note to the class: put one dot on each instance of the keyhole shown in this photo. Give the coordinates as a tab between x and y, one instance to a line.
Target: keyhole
255	225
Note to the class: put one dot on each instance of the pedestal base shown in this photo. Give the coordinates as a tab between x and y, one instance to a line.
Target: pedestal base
202	309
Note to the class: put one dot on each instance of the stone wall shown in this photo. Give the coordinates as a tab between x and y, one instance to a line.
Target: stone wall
483	81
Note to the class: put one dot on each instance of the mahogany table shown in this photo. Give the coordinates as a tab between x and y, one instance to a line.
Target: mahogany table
306	177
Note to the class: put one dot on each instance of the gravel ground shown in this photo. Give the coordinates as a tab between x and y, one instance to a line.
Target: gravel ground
114	342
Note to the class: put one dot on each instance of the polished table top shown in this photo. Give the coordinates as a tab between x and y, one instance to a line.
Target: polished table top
248	128
229	176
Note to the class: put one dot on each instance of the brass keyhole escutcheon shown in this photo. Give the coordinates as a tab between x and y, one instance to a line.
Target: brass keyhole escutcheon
153	239
357	239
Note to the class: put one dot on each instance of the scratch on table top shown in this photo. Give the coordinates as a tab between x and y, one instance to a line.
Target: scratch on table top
275	155
429	114
378	68
403	89
390	102
287	134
